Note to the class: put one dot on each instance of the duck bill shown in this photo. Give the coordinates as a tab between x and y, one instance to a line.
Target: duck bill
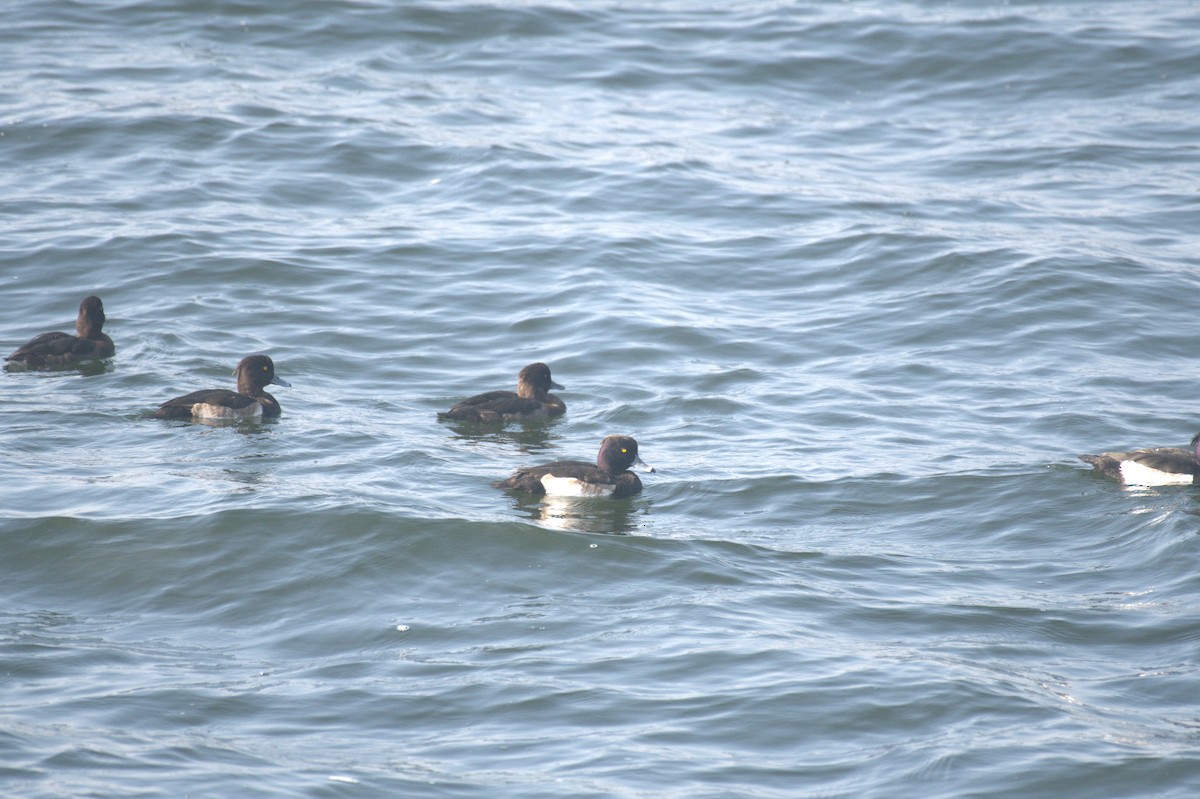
557	385
641	466
279	381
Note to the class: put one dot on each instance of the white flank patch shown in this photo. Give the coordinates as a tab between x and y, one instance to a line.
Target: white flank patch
573	487
1135	474
206	411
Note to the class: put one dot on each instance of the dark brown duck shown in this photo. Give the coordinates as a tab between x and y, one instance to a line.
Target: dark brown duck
531	400
609	476
254	373
49	350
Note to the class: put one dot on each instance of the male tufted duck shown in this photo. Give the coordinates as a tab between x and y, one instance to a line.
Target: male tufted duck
1159	466
609	476
61	349
531	400
249	401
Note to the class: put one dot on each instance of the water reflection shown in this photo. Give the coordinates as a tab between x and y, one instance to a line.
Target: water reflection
85	368
251	426
248	460
581	514
531	437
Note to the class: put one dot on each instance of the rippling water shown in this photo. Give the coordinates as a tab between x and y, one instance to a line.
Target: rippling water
862	278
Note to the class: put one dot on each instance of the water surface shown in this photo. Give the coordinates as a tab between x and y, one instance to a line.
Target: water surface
861	278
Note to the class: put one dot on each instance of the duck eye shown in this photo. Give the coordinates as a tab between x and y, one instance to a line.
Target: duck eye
623	450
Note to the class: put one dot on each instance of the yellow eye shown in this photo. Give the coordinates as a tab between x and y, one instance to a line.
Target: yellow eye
623	450
264	368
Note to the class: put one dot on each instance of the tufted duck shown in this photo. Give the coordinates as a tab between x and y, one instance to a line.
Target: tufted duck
1159	466
531	400
249	401
609	476
61	349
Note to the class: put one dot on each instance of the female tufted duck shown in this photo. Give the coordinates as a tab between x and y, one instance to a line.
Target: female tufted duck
1159	466
531	400
249	401
61	349
609	476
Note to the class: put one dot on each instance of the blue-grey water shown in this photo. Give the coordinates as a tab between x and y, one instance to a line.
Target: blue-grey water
861	277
